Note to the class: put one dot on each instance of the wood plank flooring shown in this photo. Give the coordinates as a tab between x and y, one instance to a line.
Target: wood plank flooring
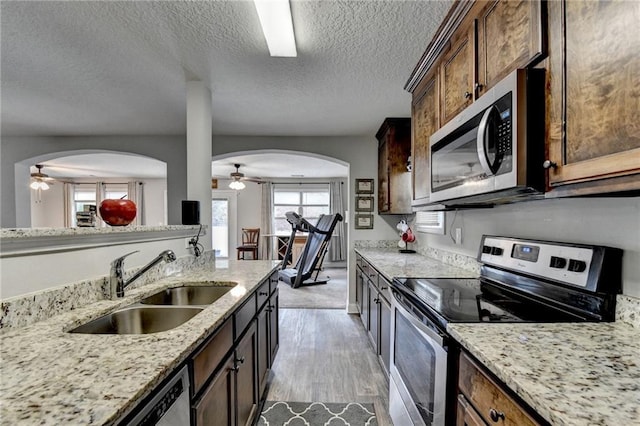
325	356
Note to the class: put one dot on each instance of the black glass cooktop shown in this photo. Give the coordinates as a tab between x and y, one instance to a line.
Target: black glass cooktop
474	300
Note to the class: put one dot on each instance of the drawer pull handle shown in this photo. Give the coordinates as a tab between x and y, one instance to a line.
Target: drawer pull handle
496	415
240	360
234	368
263	293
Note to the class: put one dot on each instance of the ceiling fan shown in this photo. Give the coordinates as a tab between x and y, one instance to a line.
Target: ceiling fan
238	179
40	180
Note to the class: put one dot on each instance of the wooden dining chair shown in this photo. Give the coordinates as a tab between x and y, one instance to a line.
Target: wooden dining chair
250	243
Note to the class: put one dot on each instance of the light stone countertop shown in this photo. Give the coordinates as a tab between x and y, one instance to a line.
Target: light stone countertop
571	374
51	377
392	263
16	233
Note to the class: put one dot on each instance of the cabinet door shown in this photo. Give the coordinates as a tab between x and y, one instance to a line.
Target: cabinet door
364	312
509	37
385	333
383	174
595	101
274	326
246	377
359	284
216	406
466	415
263	348
424	122
457	73
374	316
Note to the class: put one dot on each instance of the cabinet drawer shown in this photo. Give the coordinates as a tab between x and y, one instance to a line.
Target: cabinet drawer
210	356
263	293
372	274
493	404
245	314
274	282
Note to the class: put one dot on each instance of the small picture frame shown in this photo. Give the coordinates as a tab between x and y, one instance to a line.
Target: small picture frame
364	186
364	204
364	221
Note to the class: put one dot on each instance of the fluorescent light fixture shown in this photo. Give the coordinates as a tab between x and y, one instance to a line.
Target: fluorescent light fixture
237	185
277	26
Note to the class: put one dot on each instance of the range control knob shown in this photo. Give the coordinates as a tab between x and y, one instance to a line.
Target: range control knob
558	262
496	251
577	265
486	249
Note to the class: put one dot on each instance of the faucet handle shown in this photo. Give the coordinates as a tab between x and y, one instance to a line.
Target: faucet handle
117	263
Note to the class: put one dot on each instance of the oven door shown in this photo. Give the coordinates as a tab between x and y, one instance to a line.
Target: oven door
418	371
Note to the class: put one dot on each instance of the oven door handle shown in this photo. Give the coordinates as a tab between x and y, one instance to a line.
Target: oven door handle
481	142
419	325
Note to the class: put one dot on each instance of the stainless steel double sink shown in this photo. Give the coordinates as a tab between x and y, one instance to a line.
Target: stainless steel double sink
161	311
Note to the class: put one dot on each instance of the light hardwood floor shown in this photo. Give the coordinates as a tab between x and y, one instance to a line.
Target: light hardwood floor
325	356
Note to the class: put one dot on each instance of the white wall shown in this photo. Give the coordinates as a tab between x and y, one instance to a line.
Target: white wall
155	208
49	211
611	222
19	275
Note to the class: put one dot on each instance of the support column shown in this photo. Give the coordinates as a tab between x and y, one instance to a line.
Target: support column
199	117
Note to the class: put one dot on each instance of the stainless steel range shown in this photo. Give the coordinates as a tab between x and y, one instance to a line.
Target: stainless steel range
521	280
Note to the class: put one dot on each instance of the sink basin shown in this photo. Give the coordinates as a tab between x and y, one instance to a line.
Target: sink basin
189	295
139	320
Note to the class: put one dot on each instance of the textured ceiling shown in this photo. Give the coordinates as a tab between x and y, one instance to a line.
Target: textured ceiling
98	67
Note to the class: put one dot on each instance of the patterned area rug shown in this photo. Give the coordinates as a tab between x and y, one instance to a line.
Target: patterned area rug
280	413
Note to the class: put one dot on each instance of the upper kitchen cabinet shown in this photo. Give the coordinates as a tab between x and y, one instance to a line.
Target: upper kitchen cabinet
510	36
394	179
594	111
425	121
495	38
457	73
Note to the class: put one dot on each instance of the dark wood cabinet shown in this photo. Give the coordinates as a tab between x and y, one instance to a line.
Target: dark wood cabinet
230	370
394	178
375	309
246	377
510	36
594	73
425	120
216	406
458	73
482	400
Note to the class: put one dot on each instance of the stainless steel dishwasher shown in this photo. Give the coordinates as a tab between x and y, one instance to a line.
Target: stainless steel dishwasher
169	406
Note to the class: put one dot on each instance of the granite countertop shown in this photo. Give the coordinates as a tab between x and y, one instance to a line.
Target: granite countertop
392	263
571	374
15	233
51	377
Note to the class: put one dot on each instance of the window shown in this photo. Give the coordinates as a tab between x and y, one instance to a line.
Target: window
309	201
430	222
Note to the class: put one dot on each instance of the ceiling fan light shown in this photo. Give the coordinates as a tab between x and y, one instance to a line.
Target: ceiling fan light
35	184
237	185
44	186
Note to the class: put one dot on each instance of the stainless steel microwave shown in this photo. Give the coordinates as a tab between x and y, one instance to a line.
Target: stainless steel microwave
492	152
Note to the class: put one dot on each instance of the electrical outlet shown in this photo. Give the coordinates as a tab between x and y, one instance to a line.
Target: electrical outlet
186	243
458	236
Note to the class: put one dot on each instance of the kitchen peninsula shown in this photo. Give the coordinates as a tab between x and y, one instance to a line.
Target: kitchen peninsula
50	376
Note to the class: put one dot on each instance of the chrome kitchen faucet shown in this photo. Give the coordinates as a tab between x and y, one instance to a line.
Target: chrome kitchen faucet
117	283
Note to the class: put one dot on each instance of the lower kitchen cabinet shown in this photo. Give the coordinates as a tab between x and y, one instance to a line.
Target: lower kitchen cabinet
230	370
375	309
483	400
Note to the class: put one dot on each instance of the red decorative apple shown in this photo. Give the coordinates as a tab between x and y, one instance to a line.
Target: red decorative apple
117	212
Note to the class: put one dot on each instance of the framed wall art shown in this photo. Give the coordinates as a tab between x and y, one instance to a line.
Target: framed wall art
364	221
364	186
364	204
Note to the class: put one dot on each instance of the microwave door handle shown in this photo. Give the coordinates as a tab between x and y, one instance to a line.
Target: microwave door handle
481	141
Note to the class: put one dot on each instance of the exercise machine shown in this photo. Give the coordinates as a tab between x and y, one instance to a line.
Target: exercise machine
310	260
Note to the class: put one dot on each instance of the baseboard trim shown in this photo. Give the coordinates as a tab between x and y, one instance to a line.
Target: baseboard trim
353	308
